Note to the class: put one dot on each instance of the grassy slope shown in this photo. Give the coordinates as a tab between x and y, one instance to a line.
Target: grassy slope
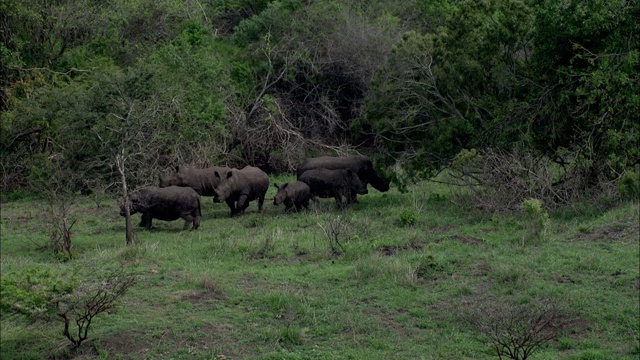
268	286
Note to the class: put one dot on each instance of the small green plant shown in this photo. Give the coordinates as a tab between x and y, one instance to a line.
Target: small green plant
537	217
629	185
429	268
408	218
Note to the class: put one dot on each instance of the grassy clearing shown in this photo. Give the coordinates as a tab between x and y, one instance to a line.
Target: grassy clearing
391	277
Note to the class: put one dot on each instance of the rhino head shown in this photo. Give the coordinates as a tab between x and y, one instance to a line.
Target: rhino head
281	195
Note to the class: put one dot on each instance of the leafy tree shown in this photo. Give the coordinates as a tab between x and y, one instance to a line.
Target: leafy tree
588	61
556	78
440	93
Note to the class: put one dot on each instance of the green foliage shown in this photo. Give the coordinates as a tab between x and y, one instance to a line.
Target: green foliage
408	218
470	84
35	292
537	217
40	294
592	49
629	185
205	296
429	268
551	77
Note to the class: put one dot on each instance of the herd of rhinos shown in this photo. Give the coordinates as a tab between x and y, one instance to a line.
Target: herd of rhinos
178	195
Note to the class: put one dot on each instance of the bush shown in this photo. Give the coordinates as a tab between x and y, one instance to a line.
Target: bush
537	217
629	185
40	294
408	218
517	330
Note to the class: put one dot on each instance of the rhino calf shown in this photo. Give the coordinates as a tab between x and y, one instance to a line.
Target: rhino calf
239	187
168	204
295	194
339	184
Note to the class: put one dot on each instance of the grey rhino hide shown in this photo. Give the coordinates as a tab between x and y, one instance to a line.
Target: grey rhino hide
239	187
168	204
339	184
295	194
362	165
203	181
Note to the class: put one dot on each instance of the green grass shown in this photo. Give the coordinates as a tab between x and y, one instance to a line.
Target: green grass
395	285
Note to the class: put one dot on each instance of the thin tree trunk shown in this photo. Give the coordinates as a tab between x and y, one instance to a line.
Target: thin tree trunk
127	213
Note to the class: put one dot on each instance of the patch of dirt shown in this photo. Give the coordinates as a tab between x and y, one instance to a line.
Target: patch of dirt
443	228
467	239
579	329
87	350
389	250
223	338
128	344
620	230
481	268
564	279
196	296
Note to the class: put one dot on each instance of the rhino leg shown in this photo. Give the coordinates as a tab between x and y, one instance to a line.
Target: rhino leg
146	221
143	220
196	222
243	203
288	205
260	203
341	199
232	206
188	220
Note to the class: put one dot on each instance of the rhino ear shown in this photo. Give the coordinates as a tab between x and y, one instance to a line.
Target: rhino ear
285	185
276	185
177	168
216	174
229	174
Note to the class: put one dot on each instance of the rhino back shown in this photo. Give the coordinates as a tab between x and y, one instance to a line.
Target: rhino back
203	181
298	191
326	182
168	203
249	181
355	163
362	165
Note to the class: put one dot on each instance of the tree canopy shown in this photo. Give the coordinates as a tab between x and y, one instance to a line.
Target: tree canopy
268	83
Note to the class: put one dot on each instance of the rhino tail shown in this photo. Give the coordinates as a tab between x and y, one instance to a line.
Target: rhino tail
198	214
199	209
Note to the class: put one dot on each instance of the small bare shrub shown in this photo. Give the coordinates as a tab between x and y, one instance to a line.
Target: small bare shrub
41	295
89	299
501	180
338	231
53	178
517	330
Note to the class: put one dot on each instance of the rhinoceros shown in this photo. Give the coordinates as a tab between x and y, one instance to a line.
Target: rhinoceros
339	184
293	194
362	166
169	203
203	181
238	187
